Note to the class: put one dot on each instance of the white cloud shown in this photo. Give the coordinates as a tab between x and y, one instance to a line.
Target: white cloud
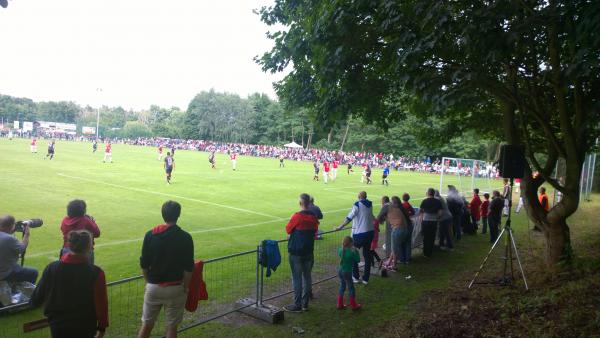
140	52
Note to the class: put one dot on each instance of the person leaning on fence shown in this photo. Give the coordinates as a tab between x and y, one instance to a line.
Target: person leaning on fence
301	228
348	257
167	262
74	292
430	212
315	209
10	251
361	216
385	200
77	220
395	215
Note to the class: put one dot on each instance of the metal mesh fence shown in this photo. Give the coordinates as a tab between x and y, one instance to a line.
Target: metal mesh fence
325	265
228	279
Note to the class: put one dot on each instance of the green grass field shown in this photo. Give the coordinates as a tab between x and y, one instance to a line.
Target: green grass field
226	211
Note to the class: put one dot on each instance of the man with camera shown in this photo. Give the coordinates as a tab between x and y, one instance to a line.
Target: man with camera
10	251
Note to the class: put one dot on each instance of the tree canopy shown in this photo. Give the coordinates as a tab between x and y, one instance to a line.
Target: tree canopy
528	69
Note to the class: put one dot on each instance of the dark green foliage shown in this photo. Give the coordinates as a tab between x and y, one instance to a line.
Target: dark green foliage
529	69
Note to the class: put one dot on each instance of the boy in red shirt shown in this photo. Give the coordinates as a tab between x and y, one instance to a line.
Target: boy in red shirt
474	207
484	212
409	209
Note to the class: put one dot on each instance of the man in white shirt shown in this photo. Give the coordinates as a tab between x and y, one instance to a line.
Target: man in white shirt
361	216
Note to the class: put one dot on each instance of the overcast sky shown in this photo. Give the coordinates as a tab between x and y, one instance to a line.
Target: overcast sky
140	52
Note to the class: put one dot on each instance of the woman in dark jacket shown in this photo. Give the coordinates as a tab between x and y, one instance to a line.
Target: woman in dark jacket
74	292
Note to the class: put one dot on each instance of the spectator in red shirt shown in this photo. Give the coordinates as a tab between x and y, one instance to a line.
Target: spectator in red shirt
301	229
77	220
484	212
474	207
409	209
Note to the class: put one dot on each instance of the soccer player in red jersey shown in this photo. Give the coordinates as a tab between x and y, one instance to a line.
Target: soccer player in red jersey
107	153
160	152
34	145
335	165
233	158
326	169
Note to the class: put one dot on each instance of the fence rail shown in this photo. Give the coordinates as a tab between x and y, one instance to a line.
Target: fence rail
228	279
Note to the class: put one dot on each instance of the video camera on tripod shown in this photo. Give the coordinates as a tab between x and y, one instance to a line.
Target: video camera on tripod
31	223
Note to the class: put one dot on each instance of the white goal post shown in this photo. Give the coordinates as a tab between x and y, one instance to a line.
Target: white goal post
466	174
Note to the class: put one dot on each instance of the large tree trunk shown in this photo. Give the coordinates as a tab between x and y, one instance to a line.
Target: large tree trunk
558	242
553	224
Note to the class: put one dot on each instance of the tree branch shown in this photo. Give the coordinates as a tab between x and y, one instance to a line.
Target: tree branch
546	171
558	85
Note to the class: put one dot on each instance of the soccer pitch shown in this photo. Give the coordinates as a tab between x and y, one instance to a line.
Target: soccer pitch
226	211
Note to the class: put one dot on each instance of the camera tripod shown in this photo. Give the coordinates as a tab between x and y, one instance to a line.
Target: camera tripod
509	245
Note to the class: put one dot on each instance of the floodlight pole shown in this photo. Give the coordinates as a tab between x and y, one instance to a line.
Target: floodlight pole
99	90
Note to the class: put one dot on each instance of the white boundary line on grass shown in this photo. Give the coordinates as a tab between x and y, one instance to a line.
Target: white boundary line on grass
126	241
168	195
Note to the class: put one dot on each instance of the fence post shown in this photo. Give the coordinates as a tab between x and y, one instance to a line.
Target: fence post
258	286
262	283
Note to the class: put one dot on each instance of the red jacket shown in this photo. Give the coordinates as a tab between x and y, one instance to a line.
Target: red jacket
197	290
78	223
409	209
484	208
475	206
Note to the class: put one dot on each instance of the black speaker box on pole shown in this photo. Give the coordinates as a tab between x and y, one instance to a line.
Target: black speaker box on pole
511	163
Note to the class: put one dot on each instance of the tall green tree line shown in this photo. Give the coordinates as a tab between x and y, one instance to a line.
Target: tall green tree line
256	119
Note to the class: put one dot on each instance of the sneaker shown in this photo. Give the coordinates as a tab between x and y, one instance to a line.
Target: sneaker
304	308
365	282
355	280
292	308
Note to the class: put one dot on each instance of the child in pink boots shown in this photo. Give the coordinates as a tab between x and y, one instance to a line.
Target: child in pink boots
348	256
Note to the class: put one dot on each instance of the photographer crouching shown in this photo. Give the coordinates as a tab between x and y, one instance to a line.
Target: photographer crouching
10	251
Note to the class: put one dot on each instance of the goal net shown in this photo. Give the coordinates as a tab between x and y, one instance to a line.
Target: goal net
467	174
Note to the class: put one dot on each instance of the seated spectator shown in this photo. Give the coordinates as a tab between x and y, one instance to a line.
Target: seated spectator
74	292
10	251
77	220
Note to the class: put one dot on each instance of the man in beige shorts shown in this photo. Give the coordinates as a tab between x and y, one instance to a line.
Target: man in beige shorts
167	262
